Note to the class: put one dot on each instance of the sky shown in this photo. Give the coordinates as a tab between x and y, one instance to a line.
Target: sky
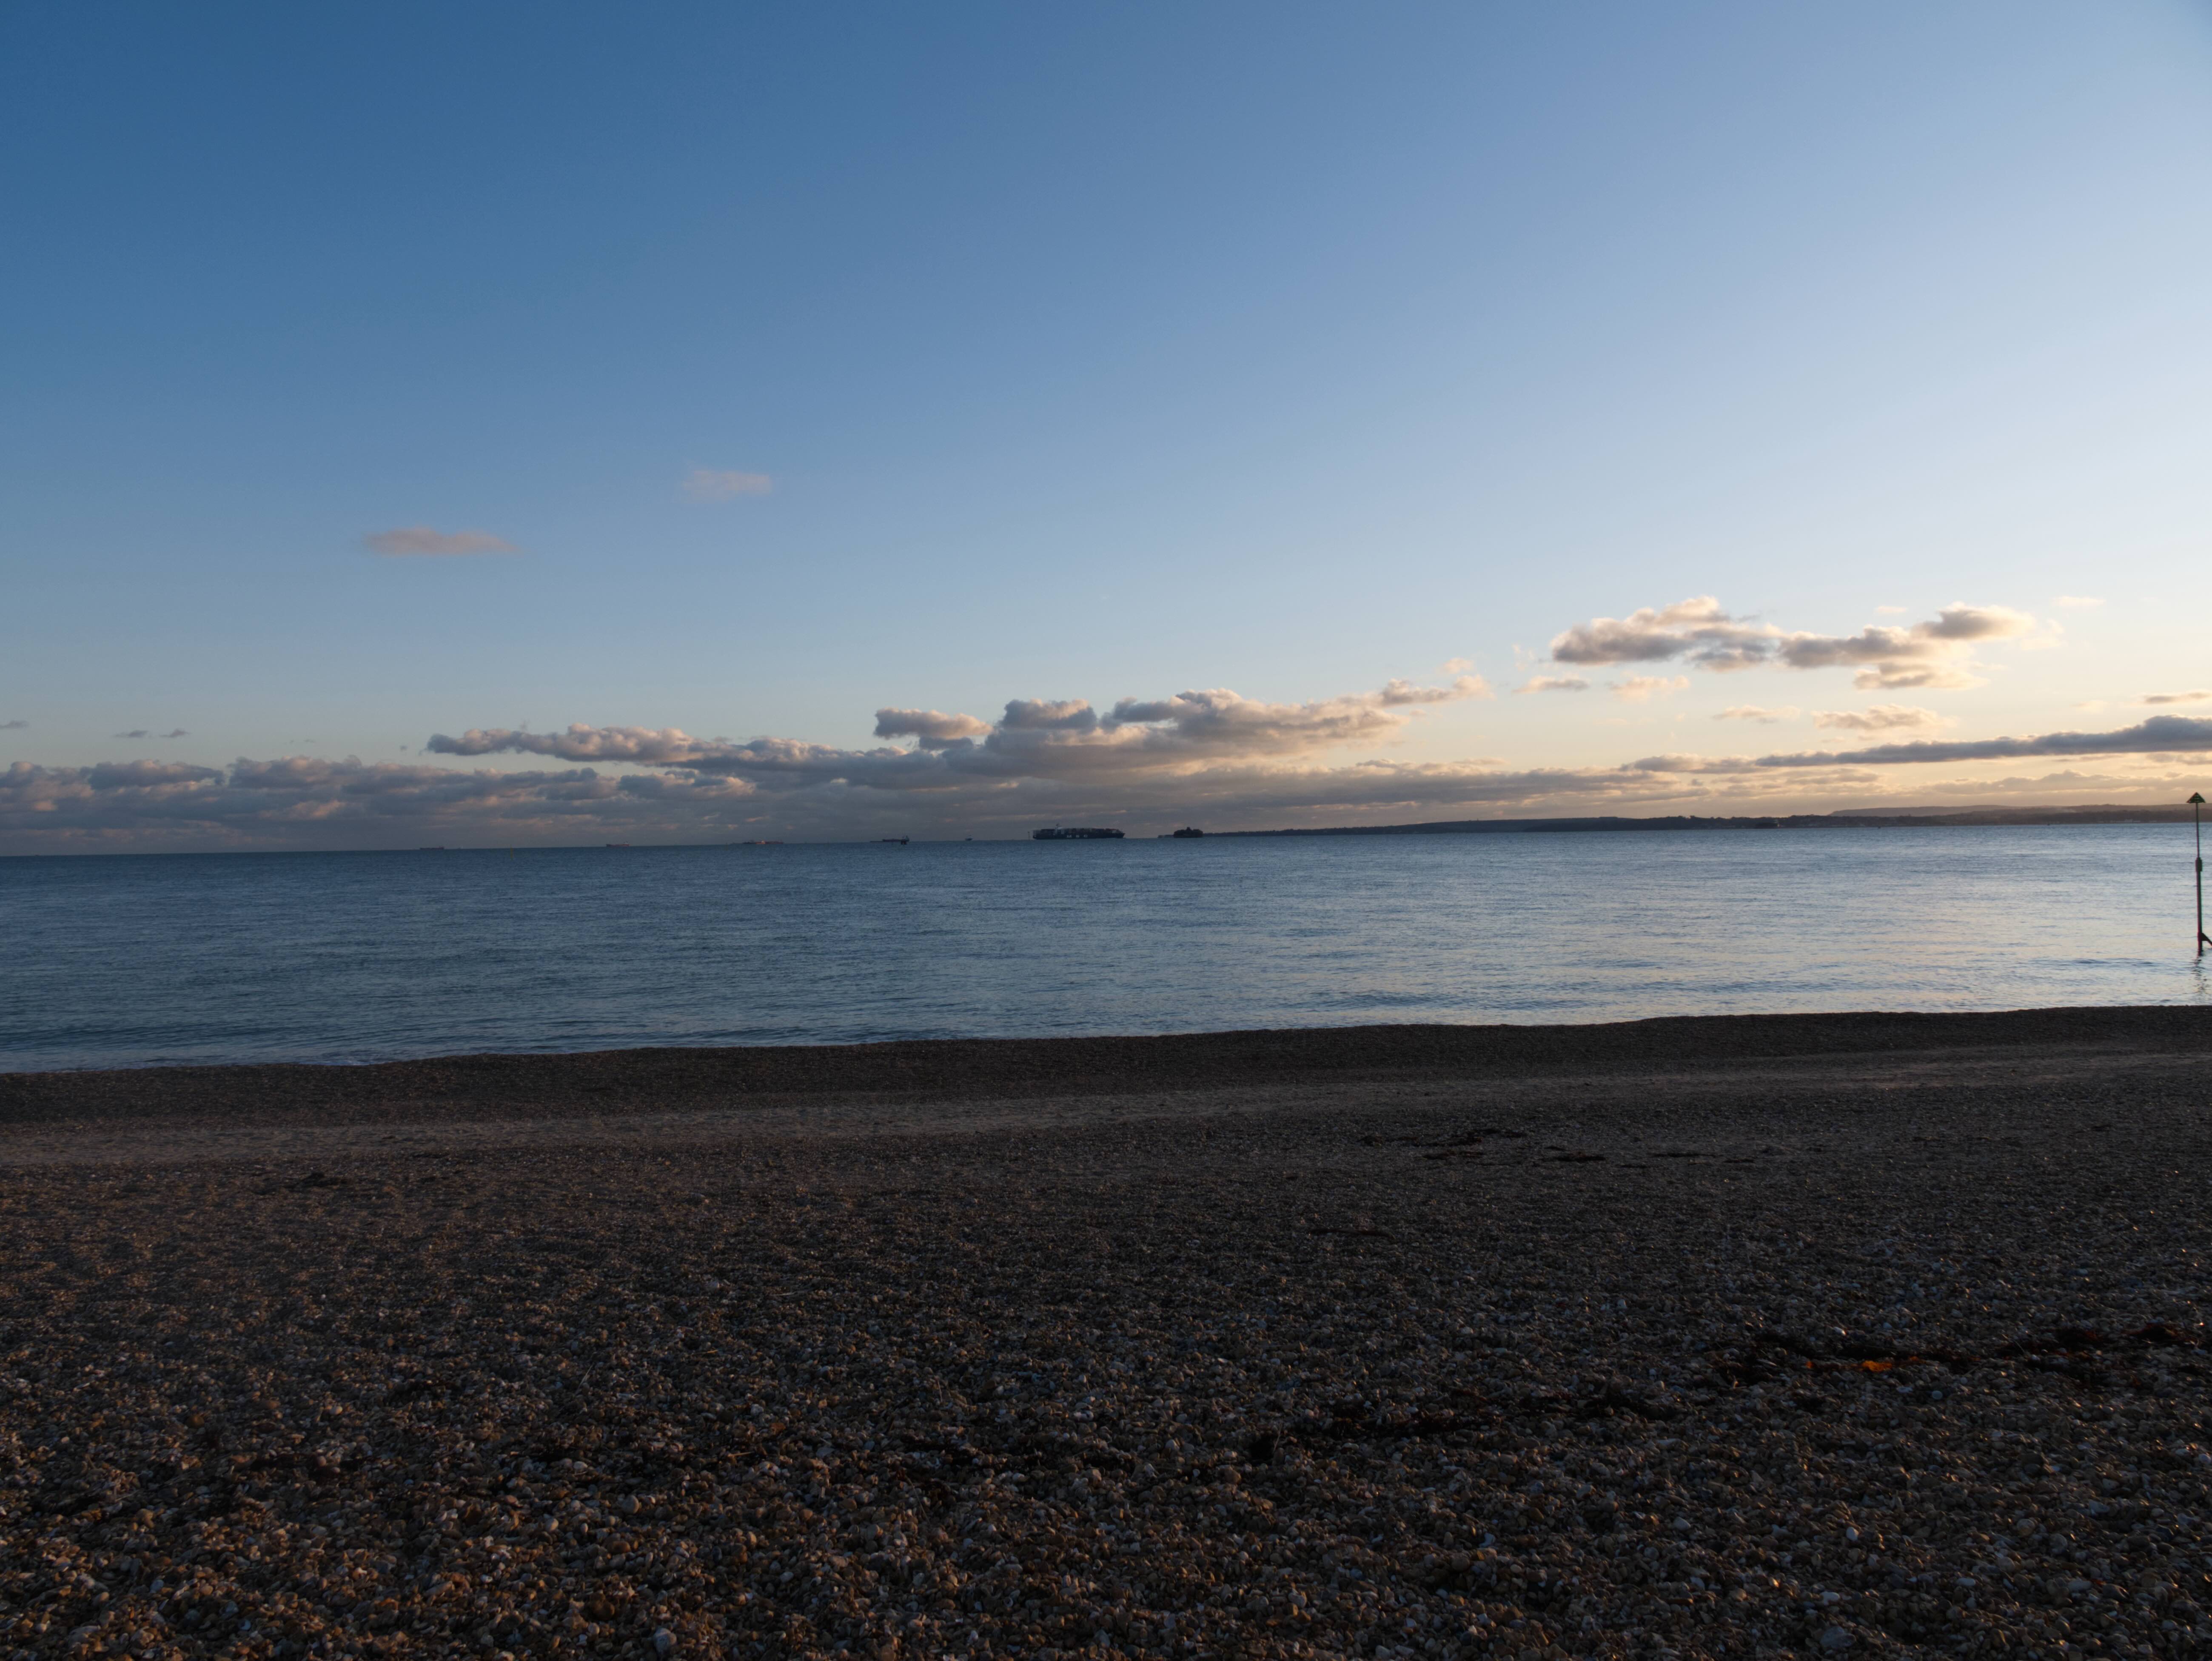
519	425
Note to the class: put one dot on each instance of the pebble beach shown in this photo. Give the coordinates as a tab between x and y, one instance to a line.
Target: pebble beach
1798	1335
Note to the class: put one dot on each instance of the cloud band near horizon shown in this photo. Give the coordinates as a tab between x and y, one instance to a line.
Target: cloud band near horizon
2160	735
1198	754
1066	741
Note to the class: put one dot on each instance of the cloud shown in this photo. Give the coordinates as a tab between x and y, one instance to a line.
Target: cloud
146	775
1679	763
1638	689
1697	631
1753	712
1396	694
13	726
1553	684
1065	739
1457	666
932	728
141	733
2160	735
311	802
2074	602
1931	654
1878	718
1063	715
713	484
1211	756
411	541
297	801
2157	698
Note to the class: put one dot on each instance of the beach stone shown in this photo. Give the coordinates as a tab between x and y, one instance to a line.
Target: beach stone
802	1423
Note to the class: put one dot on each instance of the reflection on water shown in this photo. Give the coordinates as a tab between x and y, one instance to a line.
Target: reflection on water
110	961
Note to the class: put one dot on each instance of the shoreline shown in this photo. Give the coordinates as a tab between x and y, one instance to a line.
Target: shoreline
501	1084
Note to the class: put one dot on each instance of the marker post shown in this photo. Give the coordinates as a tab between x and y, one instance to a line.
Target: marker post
2196	802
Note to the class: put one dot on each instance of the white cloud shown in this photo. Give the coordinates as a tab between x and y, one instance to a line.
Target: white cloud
931	727
1458	666
1052	715
1639	689
1753	712
719	484
1396	694
1934	654
1553	684
2174	697
1696	629
2076	602
421	541
1878	718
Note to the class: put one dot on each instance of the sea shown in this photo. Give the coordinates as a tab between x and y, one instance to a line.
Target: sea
138	960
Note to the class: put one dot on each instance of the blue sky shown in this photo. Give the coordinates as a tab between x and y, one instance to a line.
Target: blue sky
1060	353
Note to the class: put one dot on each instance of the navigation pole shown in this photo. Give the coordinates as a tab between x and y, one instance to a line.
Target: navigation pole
2196	802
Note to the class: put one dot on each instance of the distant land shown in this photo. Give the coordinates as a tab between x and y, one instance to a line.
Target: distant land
1850	818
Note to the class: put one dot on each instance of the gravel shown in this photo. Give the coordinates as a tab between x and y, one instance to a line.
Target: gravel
1712	1347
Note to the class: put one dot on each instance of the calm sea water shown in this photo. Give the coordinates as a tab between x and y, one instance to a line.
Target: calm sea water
356	957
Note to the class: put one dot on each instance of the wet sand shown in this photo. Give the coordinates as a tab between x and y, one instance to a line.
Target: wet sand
1793	1334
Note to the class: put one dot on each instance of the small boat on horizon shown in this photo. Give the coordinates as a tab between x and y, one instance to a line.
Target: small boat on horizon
901	841
1075	833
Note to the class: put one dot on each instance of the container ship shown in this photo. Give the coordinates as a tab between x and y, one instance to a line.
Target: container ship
1075	833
